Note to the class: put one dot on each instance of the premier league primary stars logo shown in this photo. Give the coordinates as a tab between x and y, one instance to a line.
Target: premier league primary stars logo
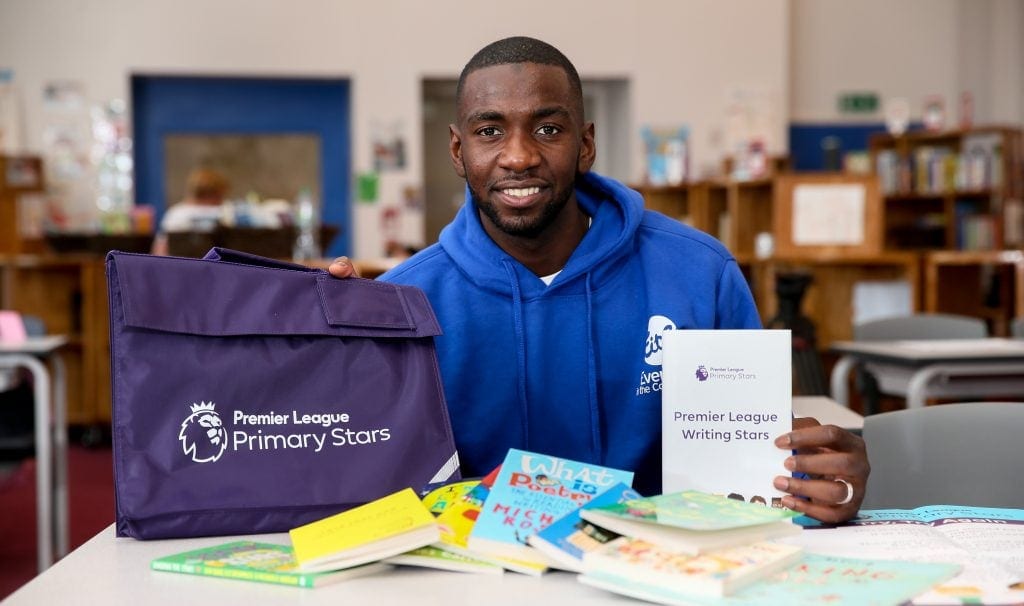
202	434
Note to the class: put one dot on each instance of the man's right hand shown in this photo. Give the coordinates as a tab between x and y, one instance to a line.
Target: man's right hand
342	268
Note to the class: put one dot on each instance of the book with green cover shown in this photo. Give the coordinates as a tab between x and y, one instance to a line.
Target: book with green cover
814	580
388	526
253	561
692	521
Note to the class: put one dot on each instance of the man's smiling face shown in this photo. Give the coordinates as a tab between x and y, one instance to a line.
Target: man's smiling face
519	142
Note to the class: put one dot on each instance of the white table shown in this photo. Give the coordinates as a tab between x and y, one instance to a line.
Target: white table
919	369
828	412
110	570
51	439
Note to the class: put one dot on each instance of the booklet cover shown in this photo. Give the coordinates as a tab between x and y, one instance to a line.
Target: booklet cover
253	561
727	395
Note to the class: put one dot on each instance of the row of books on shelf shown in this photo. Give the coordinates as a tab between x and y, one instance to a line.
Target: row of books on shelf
977	165
536	512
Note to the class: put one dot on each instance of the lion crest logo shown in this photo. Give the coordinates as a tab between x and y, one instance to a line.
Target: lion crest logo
202	434
702	373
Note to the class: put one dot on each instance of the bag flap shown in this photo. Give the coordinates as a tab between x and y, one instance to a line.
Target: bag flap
240	294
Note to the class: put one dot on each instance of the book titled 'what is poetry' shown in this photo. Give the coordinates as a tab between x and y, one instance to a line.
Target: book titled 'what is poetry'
727	395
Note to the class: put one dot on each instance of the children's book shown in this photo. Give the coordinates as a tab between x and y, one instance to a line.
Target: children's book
388	526
814	580
457	521
987	542
566	540
435	557
693	522
715	573
532	491
252	561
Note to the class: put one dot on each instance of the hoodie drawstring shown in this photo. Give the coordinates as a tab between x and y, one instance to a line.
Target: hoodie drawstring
517	315
595	411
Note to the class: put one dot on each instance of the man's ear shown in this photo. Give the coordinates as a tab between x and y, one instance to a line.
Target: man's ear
455	150
588	149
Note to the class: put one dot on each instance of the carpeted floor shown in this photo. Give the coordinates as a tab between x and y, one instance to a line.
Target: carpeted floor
91	509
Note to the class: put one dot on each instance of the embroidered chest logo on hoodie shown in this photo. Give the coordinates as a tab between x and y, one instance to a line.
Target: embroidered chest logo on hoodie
650	380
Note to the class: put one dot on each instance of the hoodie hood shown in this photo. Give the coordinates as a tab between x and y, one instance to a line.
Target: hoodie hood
616	212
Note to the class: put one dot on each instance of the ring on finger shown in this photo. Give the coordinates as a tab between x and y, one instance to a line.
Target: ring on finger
849	491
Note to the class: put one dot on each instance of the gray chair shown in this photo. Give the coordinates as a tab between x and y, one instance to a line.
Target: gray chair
917	326
1017	328
921	326
949	454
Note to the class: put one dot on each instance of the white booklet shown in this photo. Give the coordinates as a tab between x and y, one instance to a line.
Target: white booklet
727	395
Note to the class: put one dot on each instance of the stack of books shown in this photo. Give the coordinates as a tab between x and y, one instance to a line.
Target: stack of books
536	512
688	543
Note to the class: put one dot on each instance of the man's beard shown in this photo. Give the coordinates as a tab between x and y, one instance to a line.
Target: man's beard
522	226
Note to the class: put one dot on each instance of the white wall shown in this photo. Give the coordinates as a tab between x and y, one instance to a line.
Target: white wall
683	57
911	49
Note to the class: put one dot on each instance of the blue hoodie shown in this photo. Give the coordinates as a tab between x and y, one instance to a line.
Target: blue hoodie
571	369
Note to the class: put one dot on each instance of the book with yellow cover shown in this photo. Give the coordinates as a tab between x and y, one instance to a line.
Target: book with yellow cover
388	526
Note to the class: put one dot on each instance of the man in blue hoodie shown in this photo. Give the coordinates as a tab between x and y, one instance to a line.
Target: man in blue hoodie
553	286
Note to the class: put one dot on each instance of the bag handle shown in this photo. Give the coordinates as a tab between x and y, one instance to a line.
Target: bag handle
227	255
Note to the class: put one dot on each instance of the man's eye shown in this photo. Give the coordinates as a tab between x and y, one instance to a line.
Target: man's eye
488	131
549	129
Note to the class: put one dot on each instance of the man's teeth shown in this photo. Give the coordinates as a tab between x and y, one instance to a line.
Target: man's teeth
521	193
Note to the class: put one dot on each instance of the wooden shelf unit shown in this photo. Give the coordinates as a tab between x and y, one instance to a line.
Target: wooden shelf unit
732	211
933	188
69	293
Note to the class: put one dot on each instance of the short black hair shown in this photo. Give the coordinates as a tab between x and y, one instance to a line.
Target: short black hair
522	49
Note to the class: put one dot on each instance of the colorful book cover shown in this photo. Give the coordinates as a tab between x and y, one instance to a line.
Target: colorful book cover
532	491
716	573
692	521
457	521
814	580
388	526
440	498
435	557
252	561
566	540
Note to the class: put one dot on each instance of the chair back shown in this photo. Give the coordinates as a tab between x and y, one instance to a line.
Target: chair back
921	326
948	454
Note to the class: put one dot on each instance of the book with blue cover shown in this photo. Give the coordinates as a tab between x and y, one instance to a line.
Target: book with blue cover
566	540
532	491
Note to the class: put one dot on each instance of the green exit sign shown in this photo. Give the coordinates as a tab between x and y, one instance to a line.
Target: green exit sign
858	103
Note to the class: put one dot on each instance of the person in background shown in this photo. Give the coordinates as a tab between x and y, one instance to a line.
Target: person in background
199	210
553	286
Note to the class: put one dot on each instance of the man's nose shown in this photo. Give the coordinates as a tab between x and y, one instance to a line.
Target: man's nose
520	152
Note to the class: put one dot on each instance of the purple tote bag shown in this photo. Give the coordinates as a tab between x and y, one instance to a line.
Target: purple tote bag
253	396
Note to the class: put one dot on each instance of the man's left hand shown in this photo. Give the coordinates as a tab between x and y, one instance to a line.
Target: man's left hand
835	462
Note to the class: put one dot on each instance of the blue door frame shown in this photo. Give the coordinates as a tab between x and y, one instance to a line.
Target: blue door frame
164	105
